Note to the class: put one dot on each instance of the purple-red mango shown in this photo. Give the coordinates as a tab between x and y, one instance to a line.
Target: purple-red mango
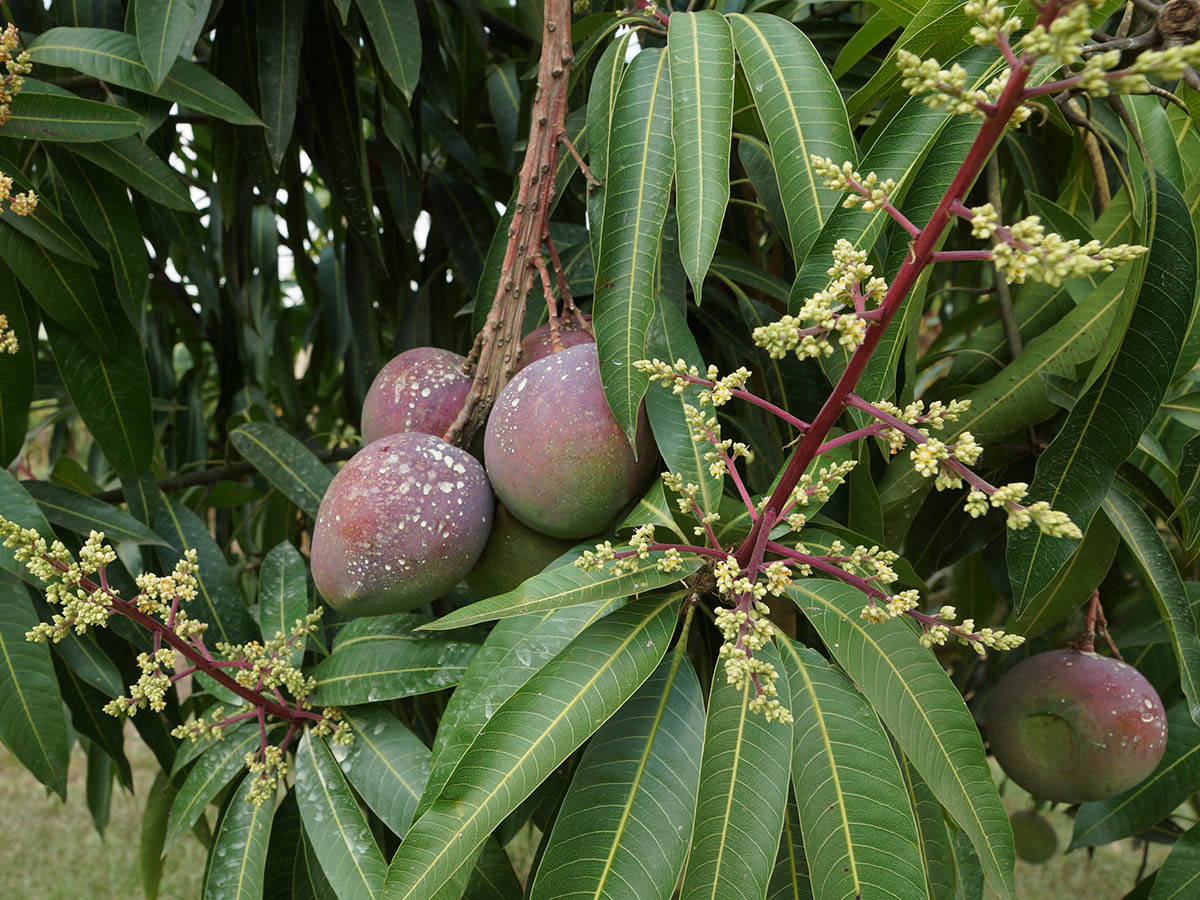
420	390
538	344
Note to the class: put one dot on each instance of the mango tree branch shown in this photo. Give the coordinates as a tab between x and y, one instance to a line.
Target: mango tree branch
498	344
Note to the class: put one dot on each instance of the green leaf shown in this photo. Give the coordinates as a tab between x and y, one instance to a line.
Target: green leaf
700	52
387	764
513	652
802	114
334	823
17	370
396	34
1102	430
90	663
19	507
1073	584
66	291
1174	779
789	880
112	56
42	112
99	787
504	100
923	710
293	872
136	165
153	835
215	768
45	226
83	514
33	722
1178	876
285	462
602	98
280	37
219	602
283	596
859	830
528	737
237	859
104	208
162	28
111	393
382	658
565	585
869	35
937	856
1139	534
669	339
743	792
622	827
637	189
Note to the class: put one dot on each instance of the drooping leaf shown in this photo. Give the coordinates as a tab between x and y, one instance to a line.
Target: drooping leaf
33	722
237	859
743	792
1145	804
280	36
43	112
293	872
923	710
20	508
565	585
802	113
335	825
602	98
700	54
153	835
215	768
138	166
283	596
285	462
1139	534
859	830
386	763
382	659
396	35
112	56
528	737
162	28
789	880
219	602
637	188
1103	428
622	828
17	370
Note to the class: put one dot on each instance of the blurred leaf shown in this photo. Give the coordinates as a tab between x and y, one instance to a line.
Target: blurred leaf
1180	871
855	814
42	112
153	836
743	792
1144	805
99	787
215	768
237	859
33	722
112	56
919	704
396	35
637	189
1153	558
529	736
622	827
334	823
285	462
802	113
1102	430
700	54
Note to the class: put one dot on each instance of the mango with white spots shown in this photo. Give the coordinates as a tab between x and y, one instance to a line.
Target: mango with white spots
400	525
422	389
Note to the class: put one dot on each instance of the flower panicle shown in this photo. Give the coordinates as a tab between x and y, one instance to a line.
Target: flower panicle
16	66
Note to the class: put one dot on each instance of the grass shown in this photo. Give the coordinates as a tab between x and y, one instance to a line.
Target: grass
52	852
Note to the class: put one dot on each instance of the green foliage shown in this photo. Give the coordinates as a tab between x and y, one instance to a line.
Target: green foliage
245	209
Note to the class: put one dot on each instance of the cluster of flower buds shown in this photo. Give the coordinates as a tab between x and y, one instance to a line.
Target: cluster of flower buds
838	309
16	65
8	337
21	204
1052	522
948	89
936	417
815	488
745	632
